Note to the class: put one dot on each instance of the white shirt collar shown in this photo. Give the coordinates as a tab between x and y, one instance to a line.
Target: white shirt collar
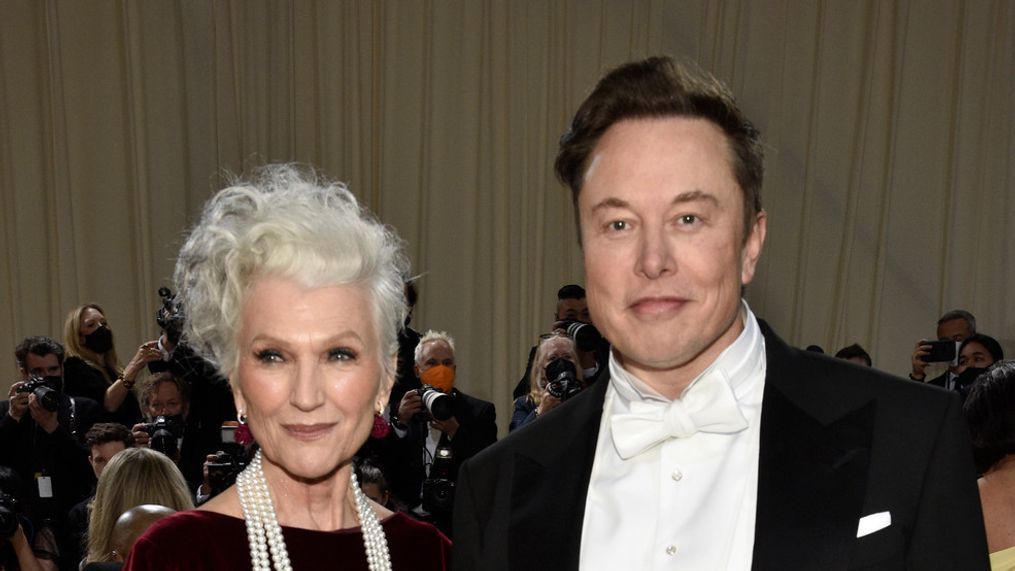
736	362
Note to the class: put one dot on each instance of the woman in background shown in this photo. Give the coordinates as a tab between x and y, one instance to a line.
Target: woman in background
133	477
559	351
93	370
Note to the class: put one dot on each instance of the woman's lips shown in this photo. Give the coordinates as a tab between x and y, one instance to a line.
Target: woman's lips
308	431
657	306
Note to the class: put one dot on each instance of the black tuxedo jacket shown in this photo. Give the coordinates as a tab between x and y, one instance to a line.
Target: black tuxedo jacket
838	442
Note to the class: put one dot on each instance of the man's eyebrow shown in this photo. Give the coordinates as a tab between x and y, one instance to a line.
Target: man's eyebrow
683	197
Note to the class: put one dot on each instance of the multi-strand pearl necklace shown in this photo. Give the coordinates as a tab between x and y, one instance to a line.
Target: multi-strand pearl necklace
265	535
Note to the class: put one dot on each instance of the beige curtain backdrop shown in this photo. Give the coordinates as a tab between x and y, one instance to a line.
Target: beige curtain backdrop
889	125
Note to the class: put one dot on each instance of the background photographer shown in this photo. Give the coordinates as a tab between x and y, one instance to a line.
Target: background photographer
954	326
41	434
555	360
571	318
23	544
429	451
170	429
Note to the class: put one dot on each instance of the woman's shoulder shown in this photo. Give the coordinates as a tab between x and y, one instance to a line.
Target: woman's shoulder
411	540
191	539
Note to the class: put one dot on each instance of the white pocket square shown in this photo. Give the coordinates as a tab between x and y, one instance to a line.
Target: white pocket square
873	522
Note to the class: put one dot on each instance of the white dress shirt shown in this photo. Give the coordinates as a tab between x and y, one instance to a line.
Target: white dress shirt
688	502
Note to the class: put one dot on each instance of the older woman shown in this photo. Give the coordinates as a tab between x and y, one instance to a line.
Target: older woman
295	293
553	355
990	413
92	368
132	478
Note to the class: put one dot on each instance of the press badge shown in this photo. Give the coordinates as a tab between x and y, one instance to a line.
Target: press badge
45	486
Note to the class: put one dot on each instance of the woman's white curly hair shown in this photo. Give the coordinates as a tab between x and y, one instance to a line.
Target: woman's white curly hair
286	222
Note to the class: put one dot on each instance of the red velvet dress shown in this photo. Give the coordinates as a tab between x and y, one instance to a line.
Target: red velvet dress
206	540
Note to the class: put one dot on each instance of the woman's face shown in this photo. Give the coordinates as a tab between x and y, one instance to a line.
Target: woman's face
308	375
91	319
974	355
551	349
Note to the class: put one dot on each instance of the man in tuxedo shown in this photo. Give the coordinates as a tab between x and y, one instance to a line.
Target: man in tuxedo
713	445
430	446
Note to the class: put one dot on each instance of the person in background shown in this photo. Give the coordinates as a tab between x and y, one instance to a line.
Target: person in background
93	370
29	545
856	354
976	353
133	477
554	348
990	415
954	326
104	440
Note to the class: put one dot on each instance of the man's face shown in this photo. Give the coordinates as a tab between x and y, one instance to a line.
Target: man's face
41	366
661	219
435	353
954	330
573	309
166	400
102	453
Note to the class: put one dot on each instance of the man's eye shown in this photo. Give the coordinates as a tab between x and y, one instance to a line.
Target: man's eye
688	219
618	225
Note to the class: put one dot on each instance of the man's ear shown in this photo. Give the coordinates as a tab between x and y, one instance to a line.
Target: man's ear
753	245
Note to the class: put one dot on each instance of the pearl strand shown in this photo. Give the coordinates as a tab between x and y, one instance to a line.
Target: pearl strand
264	534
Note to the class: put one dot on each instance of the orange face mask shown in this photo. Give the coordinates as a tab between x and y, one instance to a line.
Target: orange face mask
440	376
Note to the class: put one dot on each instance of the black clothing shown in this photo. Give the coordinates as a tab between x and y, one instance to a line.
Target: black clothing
838	442
83	380
477	429
405	374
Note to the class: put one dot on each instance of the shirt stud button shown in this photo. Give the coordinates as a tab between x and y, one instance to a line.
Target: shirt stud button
677	475
671	550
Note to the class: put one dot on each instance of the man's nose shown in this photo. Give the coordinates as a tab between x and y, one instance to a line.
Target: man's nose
655	255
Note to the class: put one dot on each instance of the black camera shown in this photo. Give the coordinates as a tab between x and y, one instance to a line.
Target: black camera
45	389
8	515
584	335
223	471
439	489
170	316
165	433
561	379
437	402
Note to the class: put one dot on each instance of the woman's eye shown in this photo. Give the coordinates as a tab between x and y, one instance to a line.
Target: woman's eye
269	356
342	354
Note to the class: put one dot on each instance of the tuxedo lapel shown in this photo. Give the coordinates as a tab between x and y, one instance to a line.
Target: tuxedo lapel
812	472
550	485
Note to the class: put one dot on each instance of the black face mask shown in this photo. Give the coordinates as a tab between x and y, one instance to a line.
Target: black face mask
968	376
99	341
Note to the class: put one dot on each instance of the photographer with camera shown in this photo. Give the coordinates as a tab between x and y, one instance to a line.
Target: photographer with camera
42	430
571	318
438	427
24	544
952	329
555	379
166	403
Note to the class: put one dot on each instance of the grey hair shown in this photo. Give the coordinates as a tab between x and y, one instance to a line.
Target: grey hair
959	314
286	222
430	337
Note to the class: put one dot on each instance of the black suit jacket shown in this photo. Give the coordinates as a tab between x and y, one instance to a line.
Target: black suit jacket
477	429
838	442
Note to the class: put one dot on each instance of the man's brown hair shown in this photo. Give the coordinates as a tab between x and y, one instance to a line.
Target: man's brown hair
657	88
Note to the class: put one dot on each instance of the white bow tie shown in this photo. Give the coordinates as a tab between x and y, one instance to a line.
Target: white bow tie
709	406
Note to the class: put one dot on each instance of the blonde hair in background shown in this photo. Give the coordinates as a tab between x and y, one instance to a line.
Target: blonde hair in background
133	477
74	348
537	376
